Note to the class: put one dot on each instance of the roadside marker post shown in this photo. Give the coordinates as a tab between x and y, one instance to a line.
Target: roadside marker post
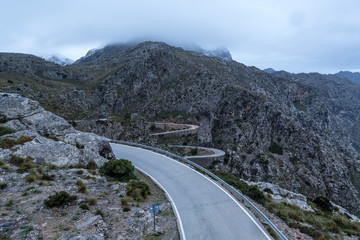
154	208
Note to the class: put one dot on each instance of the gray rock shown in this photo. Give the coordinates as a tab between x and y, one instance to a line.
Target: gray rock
78	236
30	119
44	150
283	195
13	106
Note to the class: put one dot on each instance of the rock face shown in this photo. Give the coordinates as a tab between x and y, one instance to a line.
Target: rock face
53	139
298	131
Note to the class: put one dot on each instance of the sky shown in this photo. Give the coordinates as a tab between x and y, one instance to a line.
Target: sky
292	35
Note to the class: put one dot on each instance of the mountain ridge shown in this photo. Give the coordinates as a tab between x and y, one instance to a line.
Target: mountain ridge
248	113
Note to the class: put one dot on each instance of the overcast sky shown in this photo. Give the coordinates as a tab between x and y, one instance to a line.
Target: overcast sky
296	36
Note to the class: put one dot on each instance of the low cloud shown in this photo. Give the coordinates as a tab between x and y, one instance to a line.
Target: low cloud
300	36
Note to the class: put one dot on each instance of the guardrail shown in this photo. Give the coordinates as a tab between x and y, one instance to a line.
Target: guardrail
262	215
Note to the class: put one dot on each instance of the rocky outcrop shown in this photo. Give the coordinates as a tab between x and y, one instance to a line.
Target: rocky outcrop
53	139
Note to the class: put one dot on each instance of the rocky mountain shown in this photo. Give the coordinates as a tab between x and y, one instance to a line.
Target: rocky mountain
269	70
63	61
51	188
352	76
292	130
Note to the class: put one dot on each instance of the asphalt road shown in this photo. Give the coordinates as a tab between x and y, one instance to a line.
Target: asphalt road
204	210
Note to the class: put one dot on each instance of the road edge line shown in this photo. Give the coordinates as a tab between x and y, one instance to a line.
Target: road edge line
221	188
178	218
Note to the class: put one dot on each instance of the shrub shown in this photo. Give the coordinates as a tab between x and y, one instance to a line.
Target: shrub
59	199
3	185
79	145
121	170
82	186
6	130
47	177
99	212
7	143
24	164
31	177
79	172
23	139
194	151
92	201
323	203
126	209
91	165
84	207
125	200
272	232
53	137
252	191
9	203
4	237
138	190
52	166
276	148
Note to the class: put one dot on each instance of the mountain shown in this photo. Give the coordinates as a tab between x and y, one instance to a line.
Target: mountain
298	131
352	76
269	70
63	61
110	49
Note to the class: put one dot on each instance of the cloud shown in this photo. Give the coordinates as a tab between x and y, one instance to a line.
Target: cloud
297	36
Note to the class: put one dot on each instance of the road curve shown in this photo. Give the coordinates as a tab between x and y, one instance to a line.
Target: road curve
205	211
215	152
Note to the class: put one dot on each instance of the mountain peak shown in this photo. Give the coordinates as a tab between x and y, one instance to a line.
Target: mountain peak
63	61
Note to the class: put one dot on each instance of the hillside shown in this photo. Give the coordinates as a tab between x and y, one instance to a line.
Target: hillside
284	129
54	183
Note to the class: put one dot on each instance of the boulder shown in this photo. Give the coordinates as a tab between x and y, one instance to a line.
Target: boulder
54	141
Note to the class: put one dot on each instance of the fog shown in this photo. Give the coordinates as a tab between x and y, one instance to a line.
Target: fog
296	36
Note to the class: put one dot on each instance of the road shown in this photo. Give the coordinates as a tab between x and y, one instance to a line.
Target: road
216	153
204	210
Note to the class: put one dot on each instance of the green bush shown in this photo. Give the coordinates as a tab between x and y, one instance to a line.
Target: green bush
6	130
9	203
138	190
82	186
24	164
31	177
121	170
47	177
59	199
3	185
4	237
92	201
251	191
276	148
23	139
53	137
91	165
99	212
84	207
7	143
194	151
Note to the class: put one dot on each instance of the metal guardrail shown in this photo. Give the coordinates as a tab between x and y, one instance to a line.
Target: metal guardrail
262	215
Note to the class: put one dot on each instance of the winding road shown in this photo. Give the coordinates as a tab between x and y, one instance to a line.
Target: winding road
204	210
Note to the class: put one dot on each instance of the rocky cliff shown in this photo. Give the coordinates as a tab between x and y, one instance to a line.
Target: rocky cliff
274	128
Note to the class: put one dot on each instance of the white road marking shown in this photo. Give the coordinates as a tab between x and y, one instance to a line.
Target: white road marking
236	201
182	232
